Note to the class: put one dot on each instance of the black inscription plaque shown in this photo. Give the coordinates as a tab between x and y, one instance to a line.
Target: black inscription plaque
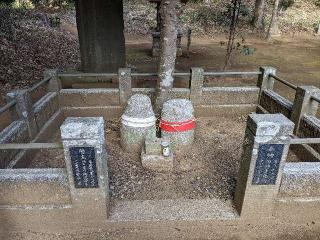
267	164
84	167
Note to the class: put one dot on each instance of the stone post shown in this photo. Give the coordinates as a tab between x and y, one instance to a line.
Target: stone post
303	104
265	150
24	109
264	80
54	84
196	85
125	82
86	162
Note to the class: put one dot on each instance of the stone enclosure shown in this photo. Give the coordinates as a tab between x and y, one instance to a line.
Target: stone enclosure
77	108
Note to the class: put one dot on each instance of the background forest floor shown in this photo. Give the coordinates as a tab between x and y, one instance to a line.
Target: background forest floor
28	45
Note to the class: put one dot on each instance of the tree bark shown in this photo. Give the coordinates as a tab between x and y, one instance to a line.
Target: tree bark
168	49
273	28
100	29
258	14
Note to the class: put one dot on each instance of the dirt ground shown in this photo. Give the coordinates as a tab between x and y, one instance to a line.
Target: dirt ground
213	161
296	59
206	170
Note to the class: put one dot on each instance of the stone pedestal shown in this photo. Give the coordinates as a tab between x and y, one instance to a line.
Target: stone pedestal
177	123
156	44
152	156
137	123
86	162
265	151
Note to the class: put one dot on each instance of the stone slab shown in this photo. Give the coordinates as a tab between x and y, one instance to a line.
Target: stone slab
157	163
301	179
270	125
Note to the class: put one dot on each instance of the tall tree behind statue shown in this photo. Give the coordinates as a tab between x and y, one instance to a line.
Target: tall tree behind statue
273	28
235	11
168	51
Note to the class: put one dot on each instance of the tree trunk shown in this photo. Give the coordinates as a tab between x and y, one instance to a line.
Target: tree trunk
273	28
168	49
100	29
258	14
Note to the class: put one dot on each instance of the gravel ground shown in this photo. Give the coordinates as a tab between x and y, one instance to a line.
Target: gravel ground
206	170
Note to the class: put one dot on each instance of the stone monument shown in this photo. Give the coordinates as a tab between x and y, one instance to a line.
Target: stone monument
157	155
178	123
86	163
137	122
265	150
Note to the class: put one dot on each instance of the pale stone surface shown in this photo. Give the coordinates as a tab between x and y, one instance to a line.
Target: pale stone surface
270	125
34	187
262	130
300	179
45	108
83	128
16	132
54	84
303	104
138	122
178	110
125	88
153	146
157	163
24	109
264	80
87	132
196	85
152	156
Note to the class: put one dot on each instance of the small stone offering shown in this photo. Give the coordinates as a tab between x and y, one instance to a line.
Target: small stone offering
138	122
156	155
178	123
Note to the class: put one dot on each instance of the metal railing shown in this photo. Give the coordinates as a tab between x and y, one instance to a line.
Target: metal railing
285	82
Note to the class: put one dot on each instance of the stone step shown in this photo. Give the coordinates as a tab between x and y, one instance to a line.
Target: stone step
172	209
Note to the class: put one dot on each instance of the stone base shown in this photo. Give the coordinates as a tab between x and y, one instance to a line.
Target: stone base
157	163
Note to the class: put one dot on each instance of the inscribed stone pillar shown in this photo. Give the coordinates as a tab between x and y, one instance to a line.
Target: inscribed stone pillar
265	151
86	162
